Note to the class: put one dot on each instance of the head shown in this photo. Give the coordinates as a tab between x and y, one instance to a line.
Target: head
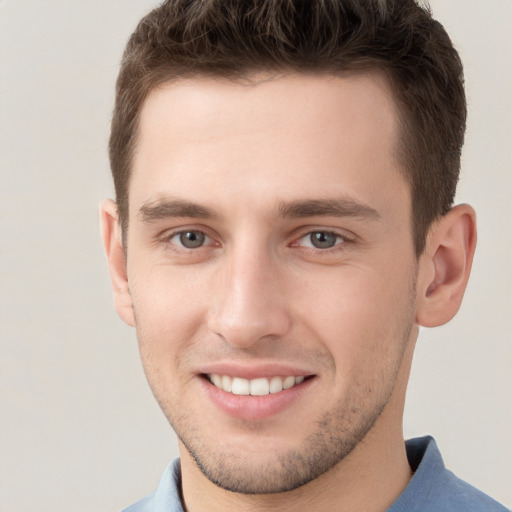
234	40
284	176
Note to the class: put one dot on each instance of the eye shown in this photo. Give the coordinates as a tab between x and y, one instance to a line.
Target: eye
191	239
321	240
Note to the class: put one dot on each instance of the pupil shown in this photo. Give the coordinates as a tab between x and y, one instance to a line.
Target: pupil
323	240
192	239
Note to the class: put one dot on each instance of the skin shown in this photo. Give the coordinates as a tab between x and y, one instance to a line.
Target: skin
247	165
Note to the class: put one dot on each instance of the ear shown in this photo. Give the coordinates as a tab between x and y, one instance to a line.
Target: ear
112	240
445	266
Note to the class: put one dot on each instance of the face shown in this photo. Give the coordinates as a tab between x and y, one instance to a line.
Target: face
271	268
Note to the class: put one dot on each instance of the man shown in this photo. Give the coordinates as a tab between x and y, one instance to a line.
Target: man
284	223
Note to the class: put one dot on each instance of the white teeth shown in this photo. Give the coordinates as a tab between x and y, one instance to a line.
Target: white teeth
217	380
276	385
226	383
240	386
260	387
288	382
255	387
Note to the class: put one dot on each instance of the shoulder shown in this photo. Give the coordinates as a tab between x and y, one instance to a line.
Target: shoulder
166	498
457	493
433	488
143	505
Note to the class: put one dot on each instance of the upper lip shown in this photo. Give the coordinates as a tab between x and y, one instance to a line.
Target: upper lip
254	371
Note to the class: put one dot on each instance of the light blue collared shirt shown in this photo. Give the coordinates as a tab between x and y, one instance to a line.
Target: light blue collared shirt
432	488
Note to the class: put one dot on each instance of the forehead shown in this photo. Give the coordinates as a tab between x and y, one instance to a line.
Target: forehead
273	136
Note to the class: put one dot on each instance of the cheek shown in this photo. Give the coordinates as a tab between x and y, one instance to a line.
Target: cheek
166	320
169	305
361	316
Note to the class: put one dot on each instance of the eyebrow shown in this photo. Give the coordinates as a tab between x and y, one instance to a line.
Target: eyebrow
169	208
342	207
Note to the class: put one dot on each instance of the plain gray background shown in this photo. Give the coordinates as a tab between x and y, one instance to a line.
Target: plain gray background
79	429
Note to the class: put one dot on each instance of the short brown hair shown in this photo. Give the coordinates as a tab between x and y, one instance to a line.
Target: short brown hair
233	38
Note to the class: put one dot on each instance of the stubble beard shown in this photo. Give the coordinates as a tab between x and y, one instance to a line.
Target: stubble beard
335	436
333	439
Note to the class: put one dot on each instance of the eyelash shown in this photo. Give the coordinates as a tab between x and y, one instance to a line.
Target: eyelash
341	240
167	239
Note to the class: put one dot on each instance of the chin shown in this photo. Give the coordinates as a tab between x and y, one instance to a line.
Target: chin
267	470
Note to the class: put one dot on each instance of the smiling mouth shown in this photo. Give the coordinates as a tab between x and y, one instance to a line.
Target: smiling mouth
255	387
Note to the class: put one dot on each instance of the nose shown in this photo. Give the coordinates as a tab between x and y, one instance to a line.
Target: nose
249	306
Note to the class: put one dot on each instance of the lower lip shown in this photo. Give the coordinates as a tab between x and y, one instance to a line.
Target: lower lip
250	407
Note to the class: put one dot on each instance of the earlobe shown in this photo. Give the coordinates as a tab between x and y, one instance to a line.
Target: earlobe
112	241
445	266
